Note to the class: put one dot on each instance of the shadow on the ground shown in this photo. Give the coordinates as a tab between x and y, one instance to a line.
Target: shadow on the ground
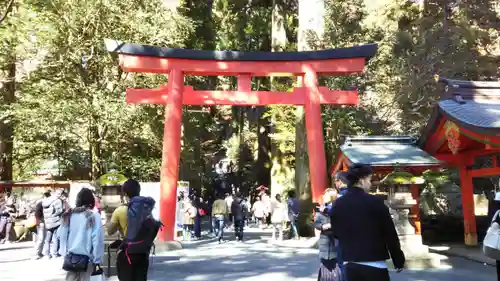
245	261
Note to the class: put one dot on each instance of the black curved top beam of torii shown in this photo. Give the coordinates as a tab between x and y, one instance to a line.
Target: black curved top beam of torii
363	51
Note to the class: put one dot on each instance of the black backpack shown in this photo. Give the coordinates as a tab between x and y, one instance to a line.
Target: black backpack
143	241
142	228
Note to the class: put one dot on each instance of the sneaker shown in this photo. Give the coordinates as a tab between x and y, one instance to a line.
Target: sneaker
37	257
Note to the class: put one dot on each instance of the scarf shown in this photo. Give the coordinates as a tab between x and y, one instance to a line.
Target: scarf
88	214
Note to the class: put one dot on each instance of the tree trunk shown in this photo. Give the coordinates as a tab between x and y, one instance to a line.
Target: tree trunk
95	148
311	25
7	98
279	168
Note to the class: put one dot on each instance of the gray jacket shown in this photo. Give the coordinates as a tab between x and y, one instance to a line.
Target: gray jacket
325	244
53	208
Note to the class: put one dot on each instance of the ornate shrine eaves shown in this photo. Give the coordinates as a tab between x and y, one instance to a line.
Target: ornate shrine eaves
473	105
386	151
363	51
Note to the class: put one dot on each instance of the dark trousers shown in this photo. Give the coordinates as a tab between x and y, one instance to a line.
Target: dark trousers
5	228
359	272
136	270
51	243
197	226
238	228
498	270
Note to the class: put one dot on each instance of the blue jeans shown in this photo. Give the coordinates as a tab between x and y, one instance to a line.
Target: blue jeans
51	246
40	239
219	226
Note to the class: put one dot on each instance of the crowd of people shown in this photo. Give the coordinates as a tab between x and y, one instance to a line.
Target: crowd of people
233	210
76	233
356	231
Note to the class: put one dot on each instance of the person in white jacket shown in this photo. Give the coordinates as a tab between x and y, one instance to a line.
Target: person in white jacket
278	216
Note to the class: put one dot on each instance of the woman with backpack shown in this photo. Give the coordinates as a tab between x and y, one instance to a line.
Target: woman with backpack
82	238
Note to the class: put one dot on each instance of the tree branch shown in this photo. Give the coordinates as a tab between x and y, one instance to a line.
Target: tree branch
9	8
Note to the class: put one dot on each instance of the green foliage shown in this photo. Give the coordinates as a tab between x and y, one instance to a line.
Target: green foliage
72	106
69	102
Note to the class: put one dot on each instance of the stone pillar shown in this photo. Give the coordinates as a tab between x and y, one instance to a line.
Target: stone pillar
467	187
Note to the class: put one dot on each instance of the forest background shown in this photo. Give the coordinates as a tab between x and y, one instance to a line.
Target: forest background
62	96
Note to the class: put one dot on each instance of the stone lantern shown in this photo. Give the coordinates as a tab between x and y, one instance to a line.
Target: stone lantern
110	186
400	201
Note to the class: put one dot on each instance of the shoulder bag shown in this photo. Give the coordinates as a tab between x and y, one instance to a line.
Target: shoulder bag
74	262
491	242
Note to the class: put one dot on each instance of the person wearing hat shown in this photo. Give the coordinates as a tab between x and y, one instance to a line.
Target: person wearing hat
53	209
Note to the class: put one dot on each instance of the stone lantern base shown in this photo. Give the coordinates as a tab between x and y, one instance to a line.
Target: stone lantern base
416	253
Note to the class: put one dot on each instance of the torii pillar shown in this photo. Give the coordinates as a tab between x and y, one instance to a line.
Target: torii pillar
180	62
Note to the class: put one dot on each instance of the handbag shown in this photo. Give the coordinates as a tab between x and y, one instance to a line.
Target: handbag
98	275
74	262
491	242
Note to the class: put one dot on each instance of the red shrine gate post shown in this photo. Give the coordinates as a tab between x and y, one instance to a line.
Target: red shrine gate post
180	62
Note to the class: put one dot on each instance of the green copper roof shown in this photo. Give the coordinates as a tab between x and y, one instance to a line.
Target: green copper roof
386	151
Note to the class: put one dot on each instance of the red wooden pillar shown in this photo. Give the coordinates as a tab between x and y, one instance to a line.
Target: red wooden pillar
171	154
314	132
415	210
468	207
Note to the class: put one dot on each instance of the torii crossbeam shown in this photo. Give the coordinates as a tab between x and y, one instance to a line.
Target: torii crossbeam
180	62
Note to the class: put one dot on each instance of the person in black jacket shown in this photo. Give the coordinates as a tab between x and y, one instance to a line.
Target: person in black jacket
365	230
238	210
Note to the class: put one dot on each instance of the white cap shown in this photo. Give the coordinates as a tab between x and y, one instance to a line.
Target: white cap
497	196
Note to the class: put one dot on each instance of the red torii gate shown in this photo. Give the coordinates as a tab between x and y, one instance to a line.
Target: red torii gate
180	62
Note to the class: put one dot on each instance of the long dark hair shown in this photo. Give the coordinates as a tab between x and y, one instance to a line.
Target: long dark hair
85	198
357	172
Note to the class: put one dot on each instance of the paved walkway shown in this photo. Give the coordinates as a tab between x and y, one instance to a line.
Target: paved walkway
253	260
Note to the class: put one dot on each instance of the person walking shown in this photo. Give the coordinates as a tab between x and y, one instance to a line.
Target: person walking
293	214
258	212
229	202
40	227
238	210
198	204
189	212
365	230
266	201
219	214
53	209
327	244
7	216
82	236
138	228
278	213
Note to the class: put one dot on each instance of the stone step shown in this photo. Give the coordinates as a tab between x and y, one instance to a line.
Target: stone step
430	261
